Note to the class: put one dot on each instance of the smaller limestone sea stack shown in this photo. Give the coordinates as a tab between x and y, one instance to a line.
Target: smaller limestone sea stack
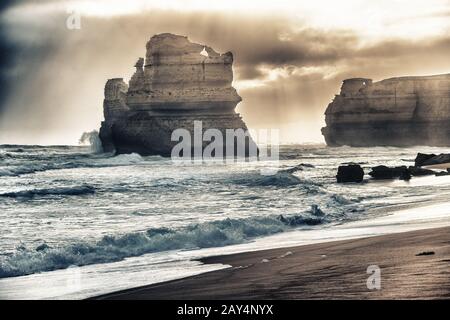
403	111
177	83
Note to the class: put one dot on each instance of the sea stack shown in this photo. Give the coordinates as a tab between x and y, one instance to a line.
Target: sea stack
403	111
179	82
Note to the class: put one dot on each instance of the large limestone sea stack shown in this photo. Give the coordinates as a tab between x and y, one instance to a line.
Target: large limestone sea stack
403	111
179	82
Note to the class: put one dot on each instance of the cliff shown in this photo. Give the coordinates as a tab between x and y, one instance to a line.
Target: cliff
178	83
403	111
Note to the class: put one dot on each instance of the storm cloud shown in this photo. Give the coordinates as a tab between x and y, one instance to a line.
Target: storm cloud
286	69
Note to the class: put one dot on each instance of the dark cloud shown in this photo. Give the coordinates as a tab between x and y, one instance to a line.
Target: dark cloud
56	76
7	3
7	54
395	48
305	48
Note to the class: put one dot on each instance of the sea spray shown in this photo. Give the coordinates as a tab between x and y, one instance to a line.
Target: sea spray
93	139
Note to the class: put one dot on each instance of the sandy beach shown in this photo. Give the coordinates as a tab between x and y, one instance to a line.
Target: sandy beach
332	270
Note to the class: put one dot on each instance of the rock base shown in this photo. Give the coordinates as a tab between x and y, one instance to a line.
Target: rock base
149	135
388	133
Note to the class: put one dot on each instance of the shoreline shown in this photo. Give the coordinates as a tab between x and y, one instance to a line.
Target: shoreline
328	270
139	271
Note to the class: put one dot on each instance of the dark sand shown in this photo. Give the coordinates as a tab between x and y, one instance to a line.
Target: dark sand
333	270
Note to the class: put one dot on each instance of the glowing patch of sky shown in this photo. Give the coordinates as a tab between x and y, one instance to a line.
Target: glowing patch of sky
371	19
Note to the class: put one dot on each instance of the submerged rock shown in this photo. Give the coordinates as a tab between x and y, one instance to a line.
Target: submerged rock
405	175
417	171
42	247
422	157
433	159
178	83
350	173
403	111
402	172
383	172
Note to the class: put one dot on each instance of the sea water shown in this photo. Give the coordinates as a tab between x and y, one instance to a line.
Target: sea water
75	224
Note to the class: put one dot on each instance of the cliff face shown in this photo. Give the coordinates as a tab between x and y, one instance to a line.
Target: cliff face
177	83
402	111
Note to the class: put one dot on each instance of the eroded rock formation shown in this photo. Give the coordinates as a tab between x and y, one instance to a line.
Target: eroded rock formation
402	111
177	83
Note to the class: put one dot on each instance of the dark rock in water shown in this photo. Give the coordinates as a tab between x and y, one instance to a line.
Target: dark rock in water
350	173
437	159
405	175
417	172
315	211
383	172
42	247
179	82
425	253
421	158
442	173
402	111
402	172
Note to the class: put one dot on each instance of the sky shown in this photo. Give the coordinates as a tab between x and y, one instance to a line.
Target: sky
290	56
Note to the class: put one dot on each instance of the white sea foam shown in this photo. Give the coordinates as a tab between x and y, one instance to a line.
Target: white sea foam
114	248
57	203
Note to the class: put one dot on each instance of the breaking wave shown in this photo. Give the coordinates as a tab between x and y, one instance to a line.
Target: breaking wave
114	248
125	159
13	171
64	191
84	162
280	179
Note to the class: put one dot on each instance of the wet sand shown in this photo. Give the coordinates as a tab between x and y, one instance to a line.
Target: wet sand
332	270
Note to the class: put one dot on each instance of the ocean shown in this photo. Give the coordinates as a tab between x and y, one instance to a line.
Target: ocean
75	224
